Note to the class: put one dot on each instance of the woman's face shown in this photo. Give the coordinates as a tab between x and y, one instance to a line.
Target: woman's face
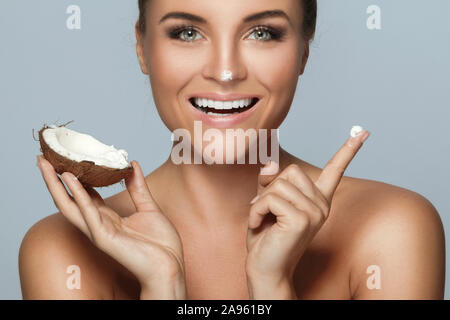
185	59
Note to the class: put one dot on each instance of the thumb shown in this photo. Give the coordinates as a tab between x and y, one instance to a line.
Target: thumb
267	174
139	191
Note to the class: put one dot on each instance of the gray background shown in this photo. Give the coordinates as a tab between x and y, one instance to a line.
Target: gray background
394	82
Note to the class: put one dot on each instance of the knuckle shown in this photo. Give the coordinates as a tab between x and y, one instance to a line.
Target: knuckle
279	184
352	145
319	216
314	216
251	212
323	205
322	200
302	221
317	210
336	167
293	168
84	202
270	197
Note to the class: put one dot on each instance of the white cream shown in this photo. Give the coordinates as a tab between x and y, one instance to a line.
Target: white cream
355	131
79	146
226	75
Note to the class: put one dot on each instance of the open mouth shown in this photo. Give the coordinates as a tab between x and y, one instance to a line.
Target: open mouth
223	108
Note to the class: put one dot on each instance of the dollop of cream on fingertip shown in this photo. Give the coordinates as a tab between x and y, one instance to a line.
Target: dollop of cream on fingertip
356	131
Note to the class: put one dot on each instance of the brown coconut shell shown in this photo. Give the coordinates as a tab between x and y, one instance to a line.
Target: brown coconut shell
87	172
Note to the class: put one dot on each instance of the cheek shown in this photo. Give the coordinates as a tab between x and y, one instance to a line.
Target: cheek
172	65
277	70
171	70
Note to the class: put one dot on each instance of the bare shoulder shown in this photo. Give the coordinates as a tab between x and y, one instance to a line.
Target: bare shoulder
370	203
57	261
394	231
53	249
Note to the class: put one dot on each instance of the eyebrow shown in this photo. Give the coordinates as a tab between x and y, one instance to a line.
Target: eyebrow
252	17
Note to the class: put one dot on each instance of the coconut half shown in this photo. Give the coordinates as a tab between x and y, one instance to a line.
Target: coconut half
92	162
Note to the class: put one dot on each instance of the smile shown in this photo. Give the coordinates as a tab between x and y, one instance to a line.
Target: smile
222	108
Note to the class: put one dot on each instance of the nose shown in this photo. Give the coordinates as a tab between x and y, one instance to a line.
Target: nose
225	64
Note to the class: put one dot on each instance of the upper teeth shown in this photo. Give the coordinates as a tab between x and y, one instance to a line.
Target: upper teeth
235	104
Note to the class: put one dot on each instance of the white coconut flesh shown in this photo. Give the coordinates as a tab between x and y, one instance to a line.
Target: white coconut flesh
83	147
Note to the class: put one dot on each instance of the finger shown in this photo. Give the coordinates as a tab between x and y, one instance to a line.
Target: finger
63	201
283	210
295	175
87	207
267	174
139	191
96	197
70	196
286	190
103	209
334	170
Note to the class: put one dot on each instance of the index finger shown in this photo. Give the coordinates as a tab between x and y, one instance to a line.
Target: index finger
63	201
334	170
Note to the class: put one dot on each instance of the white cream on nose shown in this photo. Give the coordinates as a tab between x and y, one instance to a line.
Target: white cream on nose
227	75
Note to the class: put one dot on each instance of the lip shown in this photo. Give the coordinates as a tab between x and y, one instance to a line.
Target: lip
223	121
224	97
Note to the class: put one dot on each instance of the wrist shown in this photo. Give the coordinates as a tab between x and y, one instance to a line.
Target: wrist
271	288
164	288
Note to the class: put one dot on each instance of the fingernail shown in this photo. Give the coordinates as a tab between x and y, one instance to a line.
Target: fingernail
366	135
254	199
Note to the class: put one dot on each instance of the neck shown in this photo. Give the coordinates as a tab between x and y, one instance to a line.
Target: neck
212	194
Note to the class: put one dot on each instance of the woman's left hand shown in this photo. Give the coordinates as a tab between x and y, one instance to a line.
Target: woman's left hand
300	208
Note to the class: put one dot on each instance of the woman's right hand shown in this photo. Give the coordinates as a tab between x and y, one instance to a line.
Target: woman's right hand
146	242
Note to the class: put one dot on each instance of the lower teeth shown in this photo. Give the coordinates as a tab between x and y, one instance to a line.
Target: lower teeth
216	114
220	114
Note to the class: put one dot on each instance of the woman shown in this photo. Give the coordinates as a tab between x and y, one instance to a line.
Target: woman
197	231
